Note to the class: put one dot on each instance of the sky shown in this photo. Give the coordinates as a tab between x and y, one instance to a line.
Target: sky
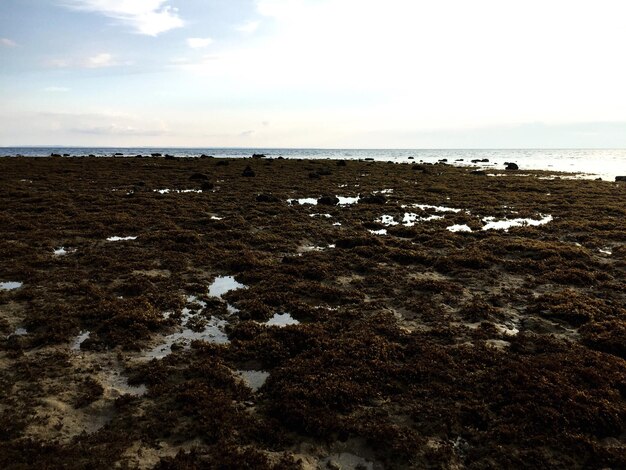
313	73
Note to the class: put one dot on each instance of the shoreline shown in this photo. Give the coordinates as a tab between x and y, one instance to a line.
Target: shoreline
299	333
587	163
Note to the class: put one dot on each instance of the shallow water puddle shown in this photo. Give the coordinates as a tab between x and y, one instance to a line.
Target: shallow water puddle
303	201
83	335
410	219
328	216
605	251
167	191
382	231
253	378
506	224
435	208
386	220
214	217
281	320
10	285
345	201
459	228
223	284
119	239
60	251
213	332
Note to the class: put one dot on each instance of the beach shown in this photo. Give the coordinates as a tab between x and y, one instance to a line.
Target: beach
309	313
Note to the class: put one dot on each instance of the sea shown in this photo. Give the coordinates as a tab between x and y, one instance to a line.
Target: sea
585	163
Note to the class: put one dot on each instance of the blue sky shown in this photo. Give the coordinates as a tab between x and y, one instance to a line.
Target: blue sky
313	73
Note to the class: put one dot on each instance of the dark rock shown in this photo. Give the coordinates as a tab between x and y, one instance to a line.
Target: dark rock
222	163
207	186
314	176
443	160
169	157
458	160
485	160
258	155
476	160
92	155
341	163
411	158
373	199
369	159
328	200
478	173
280	157
156	154
118	154
620	178
248	172
55	155
206	156
199	177
138	156
267	198
512	166
66	154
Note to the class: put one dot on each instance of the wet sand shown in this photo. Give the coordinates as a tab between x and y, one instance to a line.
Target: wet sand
176	314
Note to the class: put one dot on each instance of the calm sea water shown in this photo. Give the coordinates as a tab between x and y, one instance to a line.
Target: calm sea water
604	163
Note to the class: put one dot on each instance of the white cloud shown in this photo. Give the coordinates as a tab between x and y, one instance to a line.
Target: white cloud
56	89
149	17
7	42
101	60
248	27
199	43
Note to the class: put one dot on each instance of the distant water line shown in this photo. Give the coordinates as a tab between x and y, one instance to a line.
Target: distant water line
604	163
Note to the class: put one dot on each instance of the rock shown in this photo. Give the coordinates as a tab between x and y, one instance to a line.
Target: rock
248	172
92	155
169	157
478	173
55	155
156	154
443	160
484	160
206	156
258	155
369	159
206	186
373	199
328	201
620	178
267	198
341	163
199	177
66	154
512	166
138	156
458	160
118	154
280	157
411	158
314	176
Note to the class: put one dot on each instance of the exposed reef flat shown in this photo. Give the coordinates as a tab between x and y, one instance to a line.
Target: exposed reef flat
313	315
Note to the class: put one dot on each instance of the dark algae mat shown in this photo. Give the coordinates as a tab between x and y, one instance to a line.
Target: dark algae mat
282	314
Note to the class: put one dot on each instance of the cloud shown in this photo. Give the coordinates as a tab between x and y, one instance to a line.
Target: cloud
118	130
149	17
56	89
7	42
248	27
98	61
199	43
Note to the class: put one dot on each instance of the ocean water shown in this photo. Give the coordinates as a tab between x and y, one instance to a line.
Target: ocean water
590	163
